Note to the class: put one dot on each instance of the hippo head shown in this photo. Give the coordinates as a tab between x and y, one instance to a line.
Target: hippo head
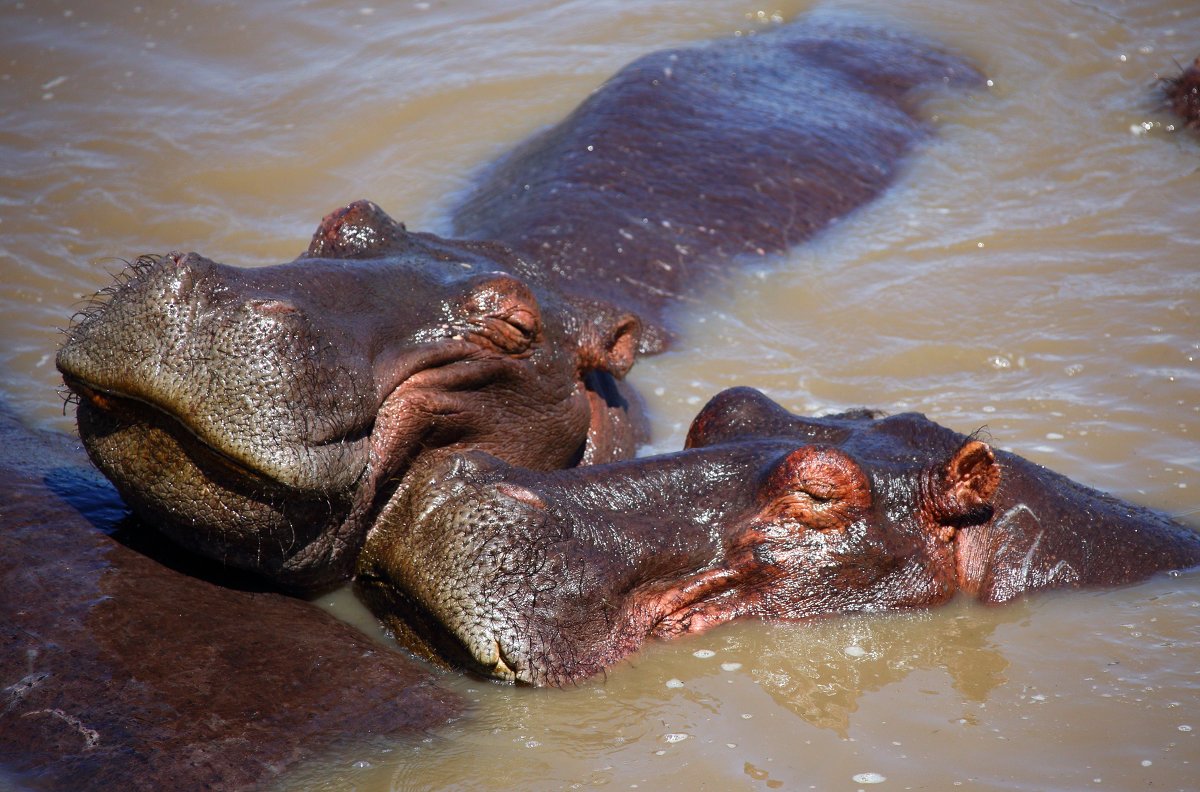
261	416
548	578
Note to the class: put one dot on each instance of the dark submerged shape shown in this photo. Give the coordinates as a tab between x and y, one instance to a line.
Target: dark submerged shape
548	578
264	417
119	673
1182	94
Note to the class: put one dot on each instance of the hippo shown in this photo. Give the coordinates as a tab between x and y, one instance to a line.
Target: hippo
264	417
547	578
119	671
1182	94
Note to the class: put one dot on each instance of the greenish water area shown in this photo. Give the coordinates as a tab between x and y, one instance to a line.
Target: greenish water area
1034	273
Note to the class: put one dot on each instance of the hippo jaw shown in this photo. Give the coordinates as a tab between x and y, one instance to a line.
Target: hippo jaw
261	416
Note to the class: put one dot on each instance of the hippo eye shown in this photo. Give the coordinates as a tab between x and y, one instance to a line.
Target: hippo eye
525	321
820	488
503	313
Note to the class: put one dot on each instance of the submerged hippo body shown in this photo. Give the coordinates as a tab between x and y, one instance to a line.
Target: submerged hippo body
119	673
547	578
263	417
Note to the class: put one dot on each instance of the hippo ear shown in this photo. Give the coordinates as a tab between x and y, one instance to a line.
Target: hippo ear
962	490
733	414
610	343
359	230
819	487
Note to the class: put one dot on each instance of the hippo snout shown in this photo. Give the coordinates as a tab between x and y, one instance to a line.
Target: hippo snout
191	339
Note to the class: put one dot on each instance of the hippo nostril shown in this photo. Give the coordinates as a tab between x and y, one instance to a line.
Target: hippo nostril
182	271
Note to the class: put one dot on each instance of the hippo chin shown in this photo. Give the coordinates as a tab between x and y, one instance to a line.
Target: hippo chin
263	417
548	578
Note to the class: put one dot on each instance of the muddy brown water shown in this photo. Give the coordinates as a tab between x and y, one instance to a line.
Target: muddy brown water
1035	272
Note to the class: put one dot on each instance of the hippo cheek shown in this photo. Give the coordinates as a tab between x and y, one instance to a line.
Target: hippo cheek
532	411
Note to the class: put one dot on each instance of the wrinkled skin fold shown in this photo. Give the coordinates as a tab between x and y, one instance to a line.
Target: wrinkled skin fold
265	417
547	578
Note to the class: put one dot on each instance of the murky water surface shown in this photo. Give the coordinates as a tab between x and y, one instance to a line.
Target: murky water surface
1036	272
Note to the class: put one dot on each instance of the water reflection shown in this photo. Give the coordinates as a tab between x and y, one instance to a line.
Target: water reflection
821	670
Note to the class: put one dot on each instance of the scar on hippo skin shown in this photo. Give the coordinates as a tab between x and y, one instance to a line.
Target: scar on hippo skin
547	578
265	417
1182	94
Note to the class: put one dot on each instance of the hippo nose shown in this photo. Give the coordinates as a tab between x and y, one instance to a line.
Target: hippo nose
191	284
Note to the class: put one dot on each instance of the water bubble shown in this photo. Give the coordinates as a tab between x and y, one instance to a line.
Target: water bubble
703	654
674	738
1185	728
674	683
730	666
854	651
999	362
869	778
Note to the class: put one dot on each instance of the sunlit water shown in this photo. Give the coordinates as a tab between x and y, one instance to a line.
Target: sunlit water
1036	272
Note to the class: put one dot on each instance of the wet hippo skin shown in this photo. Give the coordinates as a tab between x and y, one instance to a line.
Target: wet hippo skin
119	673
264	417
549	577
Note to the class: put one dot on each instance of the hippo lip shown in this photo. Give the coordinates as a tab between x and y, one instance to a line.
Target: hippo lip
126	407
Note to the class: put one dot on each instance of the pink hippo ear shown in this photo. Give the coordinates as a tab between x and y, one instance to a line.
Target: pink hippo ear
820	488
960	492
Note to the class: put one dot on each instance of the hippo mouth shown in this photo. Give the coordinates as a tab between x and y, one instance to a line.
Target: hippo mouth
203	497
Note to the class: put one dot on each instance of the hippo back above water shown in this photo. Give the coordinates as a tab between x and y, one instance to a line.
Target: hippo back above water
691	157
265	417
